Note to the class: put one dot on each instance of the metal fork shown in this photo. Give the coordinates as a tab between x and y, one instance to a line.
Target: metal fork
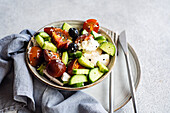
114	36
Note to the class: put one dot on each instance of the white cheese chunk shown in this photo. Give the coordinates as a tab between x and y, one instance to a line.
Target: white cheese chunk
97	52
65	77
104	58
89	45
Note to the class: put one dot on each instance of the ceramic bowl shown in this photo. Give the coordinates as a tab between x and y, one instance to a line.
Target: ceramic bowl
77	24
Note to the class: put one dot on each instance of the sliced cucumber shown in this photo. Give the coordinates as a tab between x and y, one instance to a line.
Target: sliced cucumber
102	67
95	74
80	71
76	54
95	35
66	26
50	46
101	39
65	57
44	34
85	62
41	68
65	82
47	39
39	40
84	32
78	84
77	79
108	47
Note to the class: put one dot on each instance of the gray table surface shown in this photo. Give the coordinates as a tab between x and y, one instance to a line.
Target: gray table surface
147	23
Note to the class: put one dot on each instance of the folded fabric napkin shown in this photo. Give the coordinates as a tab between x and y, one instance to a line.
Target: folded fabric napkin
19	90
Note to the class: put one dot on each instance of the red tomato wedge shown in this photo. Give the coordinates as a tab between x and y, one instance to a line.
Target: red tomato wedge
49	55
59	37
73	65
49	30
56	68
59	40
91	25
59	31
84	37
35	56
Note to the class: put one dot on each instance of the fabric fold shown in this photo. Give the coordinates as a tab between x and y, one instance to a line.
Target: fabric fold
53	101
23	84
24	92
12	54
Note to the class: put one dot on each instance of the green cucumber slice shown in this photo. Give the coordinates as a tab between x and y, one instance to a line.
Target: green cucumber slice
76	54
66	26
41	68
47	39
80	71
65	57
44	34
78	84
95	35
101	39
39	40
77	79
84	32
85	62
50	46
95	74
102	67
65	82
108	47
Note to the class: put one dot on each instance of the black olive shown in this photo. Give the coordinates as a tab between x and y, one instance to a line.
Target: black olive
74	33
81	30
36	34
73	47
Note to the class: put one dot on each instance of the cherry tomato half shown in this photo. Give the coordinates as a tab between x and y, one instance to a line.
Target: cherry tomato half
58	31
49	55
35	56
56	68
49	30
91	25
73	65
60	38
84	37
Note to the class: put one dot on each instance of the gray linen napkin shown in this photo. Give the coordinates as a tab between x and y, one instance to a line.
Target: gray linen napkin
20	91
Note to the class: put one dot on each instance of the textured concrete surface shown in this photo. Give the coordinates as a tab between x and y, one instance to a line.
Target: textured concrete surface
147	23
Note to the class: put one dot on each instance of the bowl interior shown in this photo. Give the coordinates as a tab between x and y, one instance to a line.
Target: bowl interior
77	24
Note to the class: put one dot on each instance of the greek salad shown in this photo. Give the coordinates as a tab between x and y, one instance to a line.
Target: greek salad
73	57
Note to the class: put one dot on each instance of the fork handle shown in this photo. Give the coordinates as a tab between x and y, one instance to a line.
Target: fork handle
111	93
131	84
